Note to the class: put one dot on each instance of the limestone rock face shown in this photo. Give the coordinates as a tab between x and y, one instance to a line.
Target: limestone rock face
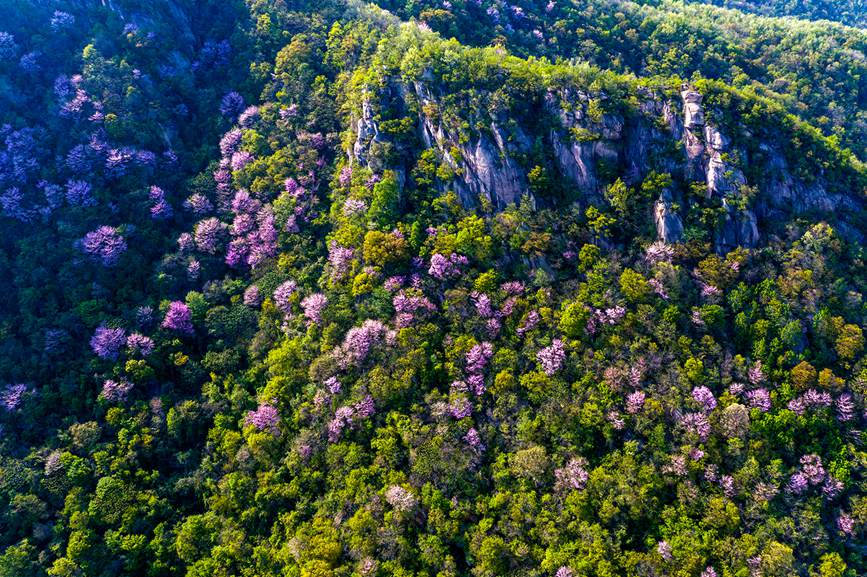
491	172
584	151
693	113
669	227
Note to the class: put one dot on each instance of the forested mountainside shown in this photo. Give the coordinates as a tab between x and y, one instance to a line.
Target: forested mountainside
430	288
815	70
850	12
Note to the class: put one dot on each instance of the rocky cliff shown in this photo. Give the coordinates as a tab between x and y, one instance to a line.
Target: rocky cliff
584	148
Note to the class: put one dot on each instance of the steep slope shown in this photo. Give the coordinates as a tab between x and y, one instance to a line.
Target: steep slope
575	130
850	12
815	70
423	308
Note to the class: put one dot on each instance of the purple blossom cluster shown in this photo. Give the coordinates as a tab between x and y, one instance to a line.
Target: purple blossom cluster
460	407
810	473
160	208
115	391
139	344
474	440
198	204
696	424
340	260
107	342
442	267
658	252
812	399
240	159
635	402
513	288
208	235
756	374
703	396
609	316
345	176
846	524
348	415
333	385
551	358
710	292
78	193
845	405
248	117
759	399
529	322
264	418
305	202
658	288
12	395
252	296
194	269
573	476
477	358
615	419
253	230
360	341
283	296
105	245
401	499
178	318
408	304
664	550
313	305
354	207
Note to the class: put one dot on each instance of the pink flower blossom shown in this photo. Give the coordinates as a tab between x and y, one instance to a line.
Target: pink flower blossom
532	319
551	358
664	550
252	296
845	406
359	341
115	391
704	396
137	343
264	418
634	402
11	396
696	424
283	295
658	252
755	374
401	499
759	399
473	439
208	234
845	524
354	207
573	476
340	259
313	305
478	356
442	267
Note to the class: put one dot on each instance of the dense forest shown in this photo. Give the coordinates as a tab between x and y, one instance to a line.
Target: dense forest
327	288
851	12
